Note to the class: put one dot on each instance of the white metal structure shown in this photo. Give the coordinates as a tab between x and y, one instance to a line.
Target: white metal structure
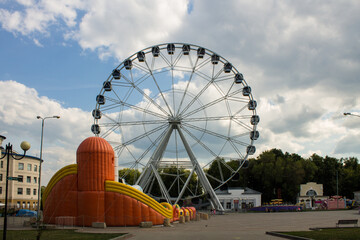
178	106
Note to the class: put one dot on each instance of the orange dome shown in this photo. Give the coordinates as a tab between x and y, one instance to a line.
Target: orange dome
95	159
94	144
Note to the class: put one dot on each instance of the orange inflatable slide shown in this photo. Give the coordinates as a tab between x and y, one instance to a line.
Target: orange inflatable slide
86	193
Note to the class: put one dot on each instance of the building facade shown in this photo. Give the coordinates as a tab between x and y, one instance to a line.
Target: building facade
234	199
22	193
311	195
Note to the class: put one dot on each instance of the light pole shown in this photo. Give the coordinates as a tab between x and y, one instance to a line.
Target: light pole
9	152
39	179
351	114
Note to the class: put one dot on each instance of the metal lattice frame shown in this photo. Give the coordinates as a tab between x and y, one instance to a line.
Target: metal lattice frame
181	106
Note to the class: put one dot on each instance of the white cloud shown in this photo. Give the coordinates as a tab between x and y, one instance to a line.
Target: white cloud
61	136
109	26
300	58
38	16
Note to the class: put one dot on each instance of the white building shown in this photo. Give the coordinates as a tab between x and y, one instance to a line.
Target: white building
234	199
311	194
24	192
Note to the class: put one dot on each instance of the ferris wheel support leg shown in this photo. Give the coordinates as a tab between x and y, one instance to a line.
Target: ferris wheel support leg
161	184
201	175
154	159
185	186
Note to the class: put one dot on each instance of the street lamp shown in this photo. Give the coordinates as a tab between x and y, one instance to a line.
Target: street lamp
9	152
351	114
39	179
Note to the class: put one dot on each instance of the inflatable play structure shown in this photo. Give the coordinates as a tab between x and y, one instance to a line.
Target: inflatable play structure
86	193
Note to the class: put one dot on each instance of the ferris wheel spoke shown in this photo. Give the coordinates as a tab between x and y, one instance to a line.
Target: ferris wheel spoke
141	67
203	64
221	172
216	134
236	149
240	123
172	87
199	119
145	95
224	78
108	131
229	128
158	87
173	183
144	135
187	187
214	178
153	143
150	99
218	100
142	79
240	135
187	86
199	141
134	123
140	109
176	150
235	93
204	107
196	97
215	76
228	167
165	59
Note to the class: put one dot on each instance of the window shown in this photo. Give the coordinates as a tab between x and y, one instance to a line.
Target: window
28	205
2	164
228	205
28	191
23	204
18	204
20	178
35	168
0	176
311	193
0	190
20	191
33	205
28	179
21	166
29	167
35	179
34	191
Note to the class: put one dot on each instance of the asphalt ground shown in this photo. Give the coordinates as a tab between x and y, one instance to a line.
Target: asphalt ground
237	225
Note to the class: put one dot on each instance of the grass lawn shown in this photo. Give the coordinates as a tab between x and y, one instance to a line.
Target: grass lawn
57	234
329	234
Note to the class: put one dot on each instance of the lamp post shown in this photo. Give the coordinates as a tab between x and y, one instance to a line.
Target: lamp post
351	114
9	152
39	179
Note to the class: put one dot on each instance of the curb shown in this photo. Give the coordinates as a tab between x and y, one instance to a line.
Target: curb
278	234
123	237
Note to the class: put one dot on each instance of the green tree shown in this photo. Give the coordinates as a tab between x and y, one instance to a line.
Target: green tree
349	179
130	175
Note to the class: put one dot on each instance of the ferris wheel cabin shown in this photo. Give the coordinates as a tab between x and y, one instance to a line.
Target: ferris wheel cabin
141	56
239	78
186	49
116	74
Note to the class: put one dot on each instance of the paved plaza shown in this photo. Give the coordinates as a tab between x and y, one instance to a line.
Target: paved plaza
238	225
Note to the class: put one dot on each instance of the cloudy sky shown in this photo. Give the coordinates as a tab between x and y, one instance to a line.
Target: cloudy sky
301	58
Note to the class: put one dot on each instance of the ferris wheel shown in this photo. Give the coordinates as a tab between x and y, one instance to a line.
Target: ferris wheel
178	112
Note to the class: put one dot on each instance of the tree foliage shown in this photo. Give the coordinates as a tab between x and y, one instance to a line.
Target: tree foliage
279	175
273	173
169	177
